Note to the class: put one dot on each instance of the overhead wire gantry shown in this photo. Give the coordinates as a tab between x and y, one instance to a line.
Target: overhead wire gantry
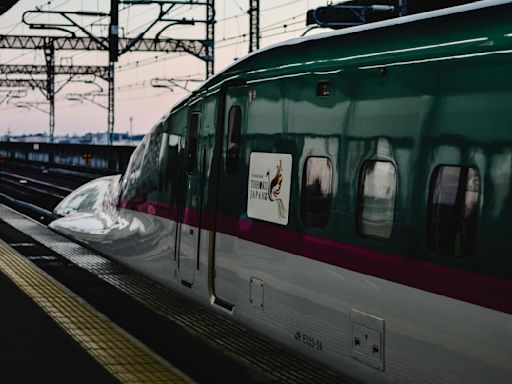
113	44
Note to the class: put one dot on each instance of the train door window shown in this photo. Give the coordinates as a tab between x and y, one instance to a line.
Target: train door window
376	199
316	193
233	148
453	207
193	128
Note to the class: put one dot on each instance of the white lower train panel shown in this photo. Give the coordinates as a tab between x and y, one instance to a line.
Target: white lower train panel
366	327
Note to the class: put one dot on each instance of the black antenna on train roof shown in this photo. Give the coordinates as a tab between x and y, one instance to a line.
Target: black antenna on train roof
354	13
358	12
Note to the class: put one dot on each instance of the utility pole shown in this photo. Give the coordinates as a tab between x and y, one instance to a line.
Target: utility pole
111	104
49	55
113	55
254	25
210	38
114	31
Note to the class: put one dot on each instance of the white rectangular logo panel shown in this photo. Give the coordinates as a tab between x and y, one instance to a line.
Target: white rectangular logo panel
268	196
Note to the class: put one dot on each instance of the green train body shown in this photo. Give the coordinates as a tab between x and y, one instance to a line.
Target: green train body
420	105
446	101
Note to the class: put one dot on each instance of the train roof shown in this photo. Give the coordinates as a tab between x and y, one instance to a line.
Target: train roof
250	62
383	24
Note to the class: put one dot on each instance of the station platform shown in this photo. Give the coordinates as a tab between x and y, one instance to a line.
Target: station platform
49	335
34	347
71	315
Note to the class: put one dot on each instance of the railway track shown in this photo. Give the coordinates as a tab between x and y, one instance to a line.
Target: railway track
36	189
67	177
35	185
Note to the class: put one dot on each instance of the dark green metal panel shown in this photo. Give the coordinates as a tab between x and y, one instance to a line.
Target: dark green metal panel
436	91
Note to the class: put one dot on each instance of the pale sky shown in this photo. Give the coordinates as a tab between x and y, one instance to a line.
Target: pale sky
135	97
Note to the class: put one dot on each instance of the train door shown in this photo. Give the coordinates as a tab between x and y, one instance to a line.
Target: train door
190	207
228	195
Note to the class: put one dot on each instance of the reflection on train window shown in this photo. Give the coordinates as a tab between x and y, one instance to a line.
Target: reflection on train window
453	207
316	193
193	128
376	199
151	165
233	149
130	183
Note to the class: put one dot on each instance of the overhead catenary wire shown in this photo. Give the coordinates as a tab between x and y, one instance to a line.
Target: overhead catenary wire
146	83
286	26
239	36
162	57
244	13
16	25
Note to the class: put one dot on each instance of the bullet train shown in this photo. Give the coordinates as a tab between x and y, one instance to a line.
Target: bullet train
347	194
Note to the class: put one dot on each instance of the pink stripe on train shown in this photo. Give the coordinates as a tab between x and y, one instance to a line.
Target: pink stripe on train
479	289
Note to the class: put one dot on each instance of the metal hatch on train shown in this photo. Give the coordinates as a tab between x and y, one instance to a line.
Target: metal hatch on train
233	110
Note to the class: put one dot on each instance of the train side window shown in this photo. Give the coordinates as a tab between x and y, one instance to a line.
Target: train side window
316	193
453	208
193	128
233	148
376	199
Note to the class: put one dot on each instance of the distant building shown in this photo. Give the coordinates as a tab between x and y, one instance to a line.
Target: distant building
100	138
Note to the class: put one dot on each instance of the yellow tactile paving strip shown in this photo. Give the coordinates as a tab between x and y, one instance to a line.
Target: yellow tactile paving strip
128	360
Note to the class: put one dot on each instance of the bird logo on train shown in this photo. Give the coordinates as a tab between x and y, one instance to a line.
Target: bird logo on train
274	189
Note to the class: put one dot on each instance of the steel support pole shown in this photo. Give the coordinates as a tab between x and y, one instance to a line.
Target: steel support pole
113	55
210	37
254	25
49	54
113	44
111	104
